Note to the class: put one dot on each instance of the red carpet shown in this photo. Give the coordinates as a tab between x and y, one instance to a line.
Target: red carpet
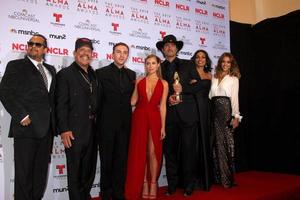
250	186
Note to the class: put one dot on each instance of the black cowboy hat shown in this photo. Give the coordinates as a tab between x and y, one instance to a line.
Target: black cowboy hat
169	39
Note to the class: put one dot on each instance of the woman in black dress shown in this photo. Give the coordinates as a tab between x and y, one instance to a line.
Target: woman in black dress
204	172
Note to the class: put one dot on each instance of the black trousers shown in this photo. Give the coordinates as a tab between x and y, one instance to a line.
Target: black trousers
32	157
81	165
113	155
180	152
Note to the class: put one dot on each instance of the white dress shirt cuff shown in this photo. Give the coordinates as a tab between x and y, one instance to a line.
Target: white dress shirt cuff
238	116
27	116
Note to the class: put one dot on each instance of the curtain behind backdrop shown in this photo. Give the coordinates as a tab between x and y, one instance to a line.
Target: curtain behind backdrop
268	54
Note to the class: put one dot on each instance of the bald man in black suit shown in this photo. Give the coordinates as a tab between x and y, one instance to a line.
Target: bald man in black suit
27	93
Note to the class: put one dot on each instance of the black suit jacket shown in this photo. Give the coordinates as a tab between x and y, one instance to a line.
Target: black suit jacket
116	108
187	109
73	101
23	92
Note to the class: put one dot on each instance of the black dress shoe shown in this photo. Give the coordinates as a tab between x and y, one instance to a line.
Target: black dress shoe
171	190
230	185
188	192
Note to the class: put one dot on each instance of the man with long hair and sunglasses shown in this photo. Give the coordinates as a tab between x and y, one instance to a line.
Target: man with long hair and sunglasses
27	93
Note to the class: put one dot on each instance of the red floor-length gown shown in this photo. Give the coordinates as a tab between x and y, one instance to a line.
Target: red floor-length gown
146	119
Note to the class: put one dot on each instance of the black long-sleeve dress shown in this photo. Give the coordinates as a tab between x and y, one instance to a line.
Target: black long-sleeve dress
204	147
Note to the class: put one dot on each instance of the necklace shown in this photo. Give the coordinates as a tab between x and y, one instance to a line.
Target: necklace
87	81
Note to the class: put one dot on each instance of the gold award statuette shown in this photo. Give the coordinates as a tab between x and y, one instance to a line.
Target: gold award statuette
176	82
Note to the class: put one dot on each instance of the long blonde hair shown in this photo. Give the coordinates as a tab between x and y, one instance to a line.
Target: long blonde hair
234	68
158	61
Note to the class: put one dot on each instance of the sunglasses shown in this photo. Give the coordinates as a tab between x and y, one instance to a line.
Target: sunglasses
37	44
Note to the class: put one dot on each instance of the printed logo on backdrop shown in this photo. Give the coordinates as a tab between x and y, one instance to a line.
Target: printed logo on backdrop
219	45
57	36
162	34
202	27
185	53
140	1
22	31
112	44
88	6
182	7
58	150
60	171
29	1
95	41
201	11
19	47
218	15
162	3
57	19
216	57
201	2
139	15
139	33
221	7
87	25
95	55
138	60
162	19
185	40
115	29
109	56
183	23
60	190
202	41
140	47
24	15
219	30
114	10
63	4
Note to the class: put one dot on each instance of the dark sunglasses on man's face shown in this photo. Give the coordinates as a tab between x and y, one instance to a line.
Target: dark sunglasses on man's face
37	44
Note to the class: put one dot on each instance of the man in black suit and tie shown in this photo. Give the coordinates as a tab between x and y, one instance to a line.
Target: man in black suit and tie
76	106
182	116
27	93
117	83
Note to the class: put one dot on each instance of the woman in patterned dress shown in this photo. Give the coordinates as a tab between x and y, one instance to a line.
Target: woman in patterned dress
225	117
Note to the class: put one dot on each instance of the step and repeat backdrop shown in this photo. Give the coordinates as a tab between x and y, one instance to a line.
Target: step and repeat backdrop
200	24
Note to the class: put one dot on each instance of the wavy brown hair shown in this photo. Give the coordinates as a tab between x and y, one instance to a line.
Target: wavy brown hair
158	61
234	68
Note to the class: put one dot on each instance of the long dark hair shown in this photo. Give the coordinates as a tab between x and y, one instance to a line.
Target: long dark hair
207	67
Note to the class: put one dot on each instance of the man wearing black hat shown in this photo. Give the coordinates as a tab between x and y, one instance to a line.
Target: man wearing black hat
181	116
76	101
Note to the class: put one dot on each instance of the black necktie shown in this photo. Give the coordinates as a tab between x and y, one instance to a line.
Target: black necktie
42	71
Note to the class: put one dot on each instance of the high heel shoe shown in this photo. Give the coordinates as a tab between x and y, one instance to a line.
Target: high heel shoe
153	190
145	193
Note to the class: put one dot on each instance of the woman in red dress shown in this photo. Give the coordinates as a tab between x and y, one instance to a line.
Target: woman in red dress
147	132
